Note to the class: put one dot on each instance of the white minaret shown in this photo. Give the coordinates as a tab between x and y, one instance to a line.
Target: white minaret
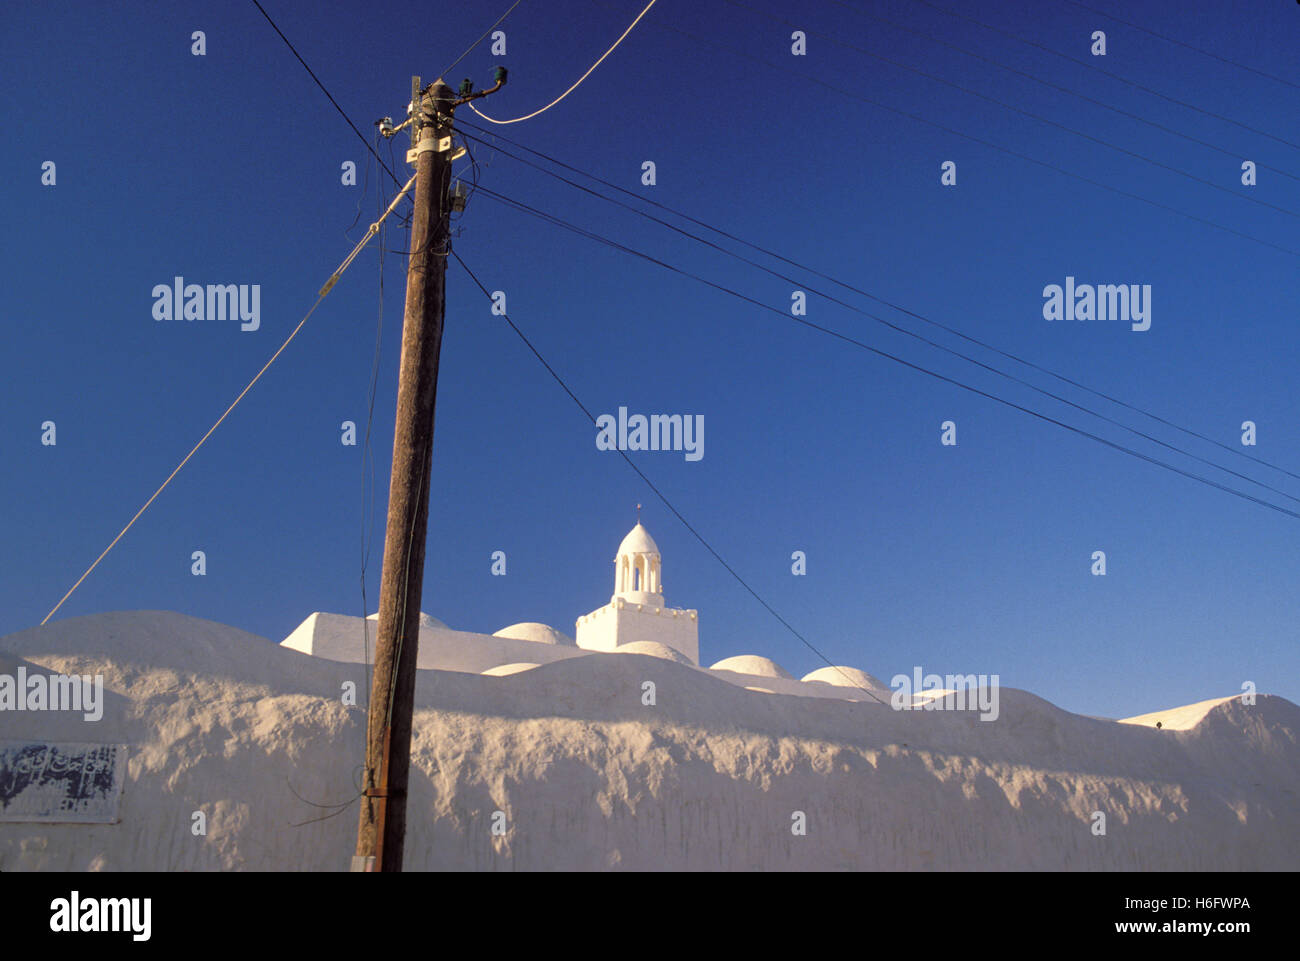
636	611
637	571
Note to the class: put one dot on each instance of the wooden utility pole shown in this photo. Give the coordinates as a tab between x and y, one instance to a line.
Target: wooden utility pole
382	827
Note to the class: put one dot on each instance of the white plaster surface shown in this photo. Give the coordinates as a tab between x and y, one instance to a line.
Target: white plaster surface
219	720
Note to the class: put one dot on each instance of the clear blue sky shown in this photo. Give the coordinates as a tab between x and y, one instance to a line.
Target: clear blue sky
225	168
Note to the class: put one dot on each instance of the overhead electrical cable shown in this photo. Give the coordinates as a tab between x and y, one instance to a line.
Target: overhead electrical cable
803	321
329	95
1108	73
368	458
577	82
1056	86
343	805
1006	150
329	285
658	493
486	34
1169	39
902	330
858	290
404	192
1250	198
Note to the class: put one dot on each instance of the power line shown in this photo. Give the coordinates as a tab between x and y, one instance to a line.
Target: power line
1168	39
1056	86
909	333
329	285
578	81
558	379
1033	116
368	457
365	189
847	286
1042	163
486	32
785	71
814	326
1108	73
374	372
658	493
803	321
312	74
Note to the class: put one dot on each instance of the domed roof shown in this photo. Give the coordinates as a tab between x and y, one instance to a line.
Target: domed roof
845	677
503	670
537	633
654	649
638	541
426	620
752	664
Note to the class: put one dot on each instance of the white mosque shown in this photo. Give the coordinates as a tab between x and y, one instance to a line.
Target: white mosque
636	613
635	621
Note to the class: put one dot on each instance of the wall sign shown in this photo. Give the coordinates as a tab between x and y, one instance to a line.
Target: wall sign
61	783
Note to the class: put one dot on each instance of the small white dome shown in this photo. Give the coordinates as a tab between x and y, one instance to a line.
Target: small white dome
638	541
654	649
503	670
845	677
752	664
426	620
537	633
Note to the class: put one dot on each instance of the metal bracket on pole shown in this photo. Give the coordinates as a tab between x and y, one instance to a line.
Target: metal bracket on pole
438	144
363	863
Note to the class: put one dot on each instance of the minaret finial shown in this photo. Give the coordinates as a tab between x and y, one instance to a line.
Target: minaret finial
638	513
